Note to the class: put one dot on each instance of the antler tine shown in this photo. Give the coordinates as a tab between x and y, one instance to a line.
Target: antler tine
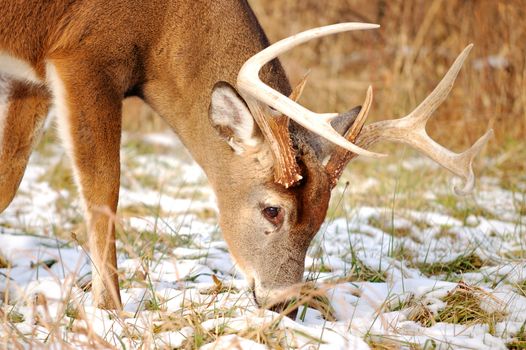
465	160
340	157
411	131
424	111
250	86
298	89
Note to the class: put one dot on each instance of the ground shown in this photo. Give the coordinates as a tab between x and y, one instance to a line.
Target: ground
400	261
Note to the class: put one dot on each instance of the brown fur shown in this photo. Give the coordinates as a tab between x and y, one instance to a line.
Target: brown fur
25	116
104	51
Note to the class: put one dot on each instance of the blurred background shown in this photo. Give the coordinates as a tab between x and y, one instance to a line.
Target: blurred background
404	60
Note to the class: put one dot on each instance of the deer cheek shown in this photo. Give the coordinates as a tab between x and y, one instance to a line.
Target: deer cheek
313	197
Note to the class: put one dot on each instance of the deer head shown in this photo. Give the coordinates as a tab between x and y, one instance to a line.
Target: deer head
289	159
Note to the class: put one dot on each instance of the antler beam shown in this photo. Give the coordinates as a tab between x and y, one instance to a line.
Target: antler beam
250	86
255	92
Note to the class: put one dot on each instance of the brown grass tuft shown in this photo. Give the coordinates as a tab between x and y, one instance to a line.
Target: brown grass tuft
4	263
471	305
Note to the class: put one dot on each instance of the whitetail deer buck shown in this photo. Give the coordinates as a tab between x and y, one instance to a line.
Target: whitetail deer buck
198	64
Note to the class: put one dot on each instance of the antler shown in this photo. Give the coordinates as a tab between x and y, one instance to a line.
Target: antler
258	95
276	131
411	131
340	157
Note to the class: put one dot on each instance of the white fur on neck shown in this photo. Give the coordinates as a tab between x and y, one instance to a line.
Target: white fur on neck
4	109
63	116
17	69
12	68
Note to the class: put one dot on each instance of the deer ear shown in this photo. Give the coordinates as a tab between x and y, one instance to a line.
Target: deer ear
230	116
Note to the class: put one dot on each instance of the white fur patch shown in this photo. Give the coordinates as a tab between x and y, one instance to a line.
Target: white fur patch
4	108
18	69
62	117
229	111
60	106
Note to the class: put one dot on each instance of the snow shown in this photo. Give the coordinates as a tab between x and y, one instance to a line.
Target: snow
172	297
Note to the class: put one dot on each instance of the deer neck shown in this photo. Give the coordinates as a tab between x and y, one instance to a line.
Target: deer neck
187	64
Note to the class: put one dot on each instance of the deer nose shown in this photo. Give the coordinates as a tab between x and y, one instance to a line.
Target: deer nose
275	301
287	308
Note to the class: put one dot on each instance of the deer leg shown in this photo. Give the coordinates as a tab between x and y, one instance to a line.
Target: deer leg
23	110
89	122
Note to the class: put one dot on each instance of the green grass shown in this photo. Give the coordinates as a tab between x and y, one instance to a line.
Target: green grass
469	262
519	340
15	317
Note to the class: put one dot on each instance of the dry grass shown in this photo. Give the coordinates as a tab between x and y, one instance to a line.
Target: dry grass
471	305
465	304
4	263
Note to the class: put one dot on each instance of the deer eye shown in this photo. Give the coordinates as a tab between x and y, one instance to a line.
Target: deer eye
273	214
